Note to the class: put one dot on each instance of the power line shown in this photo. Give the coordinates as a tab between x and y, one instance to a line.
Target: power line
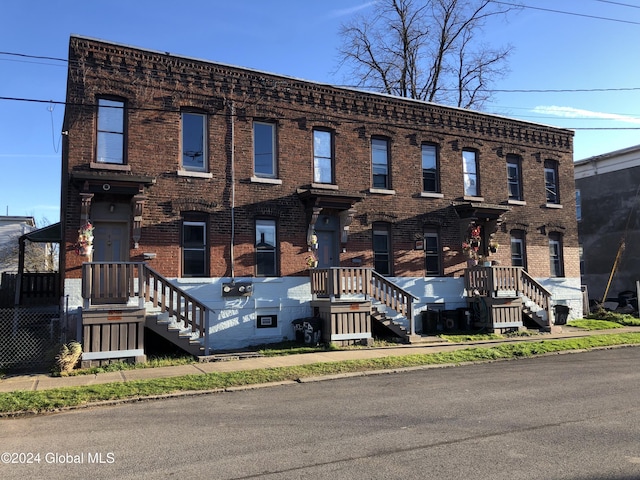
569	13
39	57
618	3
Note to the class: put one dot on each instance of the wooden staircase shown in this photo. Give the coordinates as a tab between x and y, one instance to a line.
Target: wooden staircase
497	282
170	311
386	327
175	332
338	283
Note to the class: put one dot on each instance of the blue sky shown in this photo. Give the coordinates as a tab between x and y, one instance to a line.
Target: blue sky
593	61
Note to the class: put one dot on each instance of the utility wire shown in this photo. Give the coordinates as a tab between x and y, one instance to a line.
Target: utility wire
569	13
618	3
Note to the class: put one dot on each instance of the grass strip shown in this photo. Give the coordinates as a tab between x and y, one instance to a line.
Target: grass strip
51	400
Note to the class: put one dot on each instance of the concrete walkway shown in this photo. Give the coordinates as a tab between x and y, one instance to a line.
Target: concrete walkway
431	345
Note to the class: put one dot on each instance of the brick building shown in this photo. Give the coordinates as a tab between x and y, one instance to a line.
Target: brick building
215	174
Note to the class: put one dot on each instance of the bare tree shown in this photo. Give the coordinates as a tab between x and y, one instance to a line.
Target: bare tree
426	49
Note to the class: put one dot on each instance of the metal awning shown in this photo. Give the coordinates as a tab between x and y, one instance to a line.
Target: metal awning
49	234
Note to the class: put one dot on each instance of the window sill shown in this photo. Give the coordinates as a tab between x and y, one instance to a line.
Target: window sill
516	202
472	198
325	186
431	195
188	173
111	166
553	205
382	191
270	181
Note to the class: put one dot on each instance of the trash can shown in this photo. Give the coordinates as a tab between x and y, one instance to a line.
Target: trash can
561	313
308	330
430	321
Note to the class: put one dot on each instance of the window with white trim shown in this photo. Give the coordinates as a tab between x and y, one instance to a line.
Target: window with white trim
430	177
470	173
322	156
514	177
433	264
555	255
194	249
264	149
380	163
110	131
551	181
194	141
266	248
382	248
518	251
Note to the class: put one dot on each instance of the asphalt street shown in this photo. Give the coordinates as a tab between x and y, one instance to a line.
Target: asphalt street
570	416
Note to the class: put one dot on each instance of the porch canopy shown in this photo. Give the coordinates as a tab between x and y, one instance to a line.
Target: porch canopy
49	234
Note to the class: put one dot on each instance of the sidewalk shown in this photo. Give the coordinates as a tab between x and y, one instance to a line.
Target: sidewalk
434	345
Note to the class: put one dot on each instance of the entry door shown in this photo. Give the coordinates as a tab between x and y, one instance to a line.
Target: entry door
327	248
110	244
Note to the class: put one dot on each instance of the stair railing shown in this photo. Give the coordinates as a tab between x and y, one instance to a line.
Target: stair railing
394	297
489	281
336	281
115	283
538	295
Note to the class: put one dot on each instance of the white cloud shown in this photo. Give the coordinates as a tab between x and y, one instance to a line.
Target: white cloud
349	11
570	112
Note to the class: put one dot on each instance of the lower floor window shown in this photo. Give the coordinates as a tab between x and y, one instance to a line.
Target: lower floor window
555	255
381	250
194	249
432	254
518	256
266	251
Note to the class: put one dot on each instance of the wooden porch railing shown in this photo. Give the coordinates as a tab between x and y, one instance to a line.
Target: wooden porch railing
117	283
336	281
31	287
489	281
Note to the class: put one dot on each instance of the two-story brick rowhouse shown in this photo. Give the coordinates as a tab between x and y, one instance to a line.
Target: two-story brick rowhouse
240	186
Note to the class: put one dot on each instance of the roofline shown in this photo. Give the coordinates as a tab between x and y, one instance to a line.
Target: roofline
350	89
15	218
607	155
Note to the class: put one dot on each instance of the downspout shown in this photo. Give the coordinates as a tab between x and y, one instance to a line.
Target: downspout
233	190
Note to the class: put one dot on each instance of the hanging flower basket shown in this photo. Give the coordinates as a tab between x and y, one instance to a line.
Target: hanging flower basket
84	245
312	261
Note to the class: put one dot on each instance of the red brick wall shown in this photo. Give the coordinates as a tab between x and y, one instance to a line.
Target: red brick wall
156	86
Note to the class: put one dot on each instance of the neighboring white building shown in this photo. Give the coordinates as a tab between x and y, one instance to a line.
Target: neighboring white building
11	228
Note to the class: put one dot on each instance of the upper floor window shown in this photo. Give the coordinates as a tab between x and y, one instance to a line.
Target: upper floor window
430	178
518	252
470	172
514	177
380	163
266	248
432	253
555	255
578	206
322	156
110	138
194	141
382	248
264	149
194	249
551	181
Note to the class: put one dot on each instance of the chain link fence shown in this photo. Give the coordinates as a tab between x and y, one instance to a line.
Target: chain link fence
30	338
